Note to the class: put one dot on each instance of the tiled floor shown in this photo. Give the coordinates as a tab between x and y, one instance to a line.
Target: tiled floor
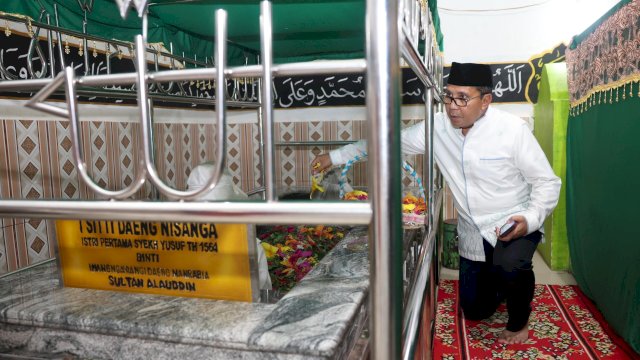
544	275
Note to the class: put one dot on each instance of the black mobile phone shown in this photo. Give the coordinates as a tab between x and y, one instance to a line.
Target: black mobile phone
507	228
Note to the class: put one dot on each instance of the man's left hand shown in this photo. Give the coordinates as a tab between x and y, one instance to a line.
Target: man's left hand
520	230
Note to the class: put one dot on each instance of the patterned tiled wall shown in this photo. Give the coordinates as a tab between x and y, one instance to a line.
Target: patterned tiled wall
294	160
36	163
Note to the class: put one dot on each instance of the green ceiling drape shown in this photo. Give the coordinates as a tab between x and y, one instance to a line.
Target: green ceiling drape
303	29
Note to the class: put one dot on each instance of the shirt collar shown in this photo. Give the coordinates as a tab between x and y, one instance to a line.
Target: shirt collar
481	121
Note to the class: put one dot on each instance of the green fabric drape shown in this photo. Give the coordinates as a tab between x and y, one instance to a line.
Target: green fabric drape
303	30
433	7
104	20
603	168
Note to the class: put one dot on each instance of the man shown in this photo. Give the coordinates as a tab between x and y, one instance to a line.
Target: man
497	173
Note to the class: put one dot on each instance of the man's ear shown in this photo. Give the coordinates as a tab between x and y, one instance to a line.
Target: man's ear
486	100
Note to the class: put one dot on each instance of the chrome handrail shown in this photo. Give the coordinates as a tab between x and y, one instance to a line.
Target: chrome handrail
286	212
415	300
290	69
221	62
35	45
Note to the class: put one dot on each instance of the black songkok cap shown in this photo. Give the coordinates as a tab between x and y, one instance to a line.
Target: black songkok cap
470	75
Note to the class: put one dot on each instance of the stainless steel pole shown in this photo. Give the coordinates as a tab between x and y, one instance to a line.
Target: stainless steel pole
428	129
267	99
385	232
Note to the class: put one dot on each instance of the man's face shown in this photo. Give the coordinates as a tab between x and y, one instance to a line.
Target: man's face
465	116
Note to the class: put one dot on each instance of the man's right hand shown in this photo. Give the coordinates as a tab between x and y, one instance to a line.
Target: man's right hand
320	163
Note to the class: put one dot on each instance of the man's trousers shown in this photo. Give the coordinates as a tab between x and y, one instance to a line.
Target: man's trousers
506	273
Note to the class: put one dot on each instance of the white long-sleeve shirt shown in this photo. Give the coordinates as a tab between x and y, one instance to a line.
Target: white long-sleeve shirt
496	171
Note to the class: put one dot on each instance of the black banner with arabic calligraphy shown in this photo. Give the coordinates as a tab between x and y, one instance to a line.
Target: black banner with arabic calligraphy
509	82
14	50
511	85
519	82
515	82
337	90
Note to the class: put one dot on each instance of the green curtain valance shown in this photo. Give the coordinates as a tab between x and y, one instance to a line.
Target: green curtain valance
602	62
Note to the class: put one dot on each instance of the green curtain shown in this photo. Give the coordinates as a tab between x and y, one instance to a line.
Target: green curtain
603	168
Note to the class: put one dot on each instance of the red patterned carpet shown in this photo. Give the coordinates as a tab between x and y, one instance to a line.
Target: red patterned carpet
564	324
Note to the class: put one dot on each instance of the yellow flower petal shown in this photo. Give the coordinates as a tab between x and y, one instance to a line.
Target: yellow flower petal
269	250
408	207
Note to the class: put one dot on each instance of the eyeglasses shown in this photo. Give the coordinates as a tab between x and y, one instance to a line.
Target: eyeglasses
460	102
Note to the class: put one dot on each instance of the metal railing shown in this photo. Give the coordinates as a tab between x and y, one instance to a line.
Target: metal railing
393	329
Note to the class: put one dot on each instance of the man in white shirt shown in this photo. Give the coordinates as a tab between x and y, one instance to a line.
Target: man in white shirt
498	174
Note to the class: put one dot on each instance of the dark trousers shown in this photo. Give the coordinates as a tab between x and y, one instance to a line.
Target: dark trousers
507	272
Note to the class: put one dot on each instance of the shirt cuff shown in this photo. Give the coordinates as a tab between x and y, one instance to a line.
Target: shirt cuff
336	157
532	221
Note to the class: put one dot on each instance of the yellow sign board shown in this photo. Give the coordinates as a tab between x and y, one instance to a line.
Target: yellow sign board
166	258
